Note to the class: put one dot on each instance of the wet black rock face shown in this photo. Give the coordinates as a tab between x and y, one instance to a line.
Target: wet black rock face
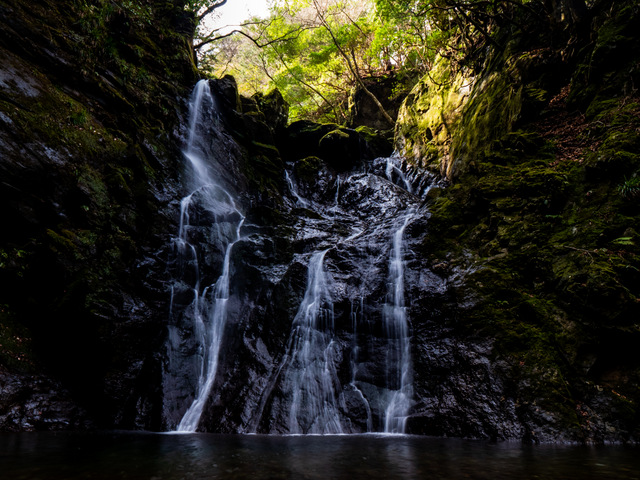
35	402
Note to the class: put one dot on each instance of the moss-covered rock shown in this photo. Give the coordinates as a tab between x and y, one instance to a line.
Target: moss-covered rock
342	148
275	109
90	96
538	232
430	114
375	143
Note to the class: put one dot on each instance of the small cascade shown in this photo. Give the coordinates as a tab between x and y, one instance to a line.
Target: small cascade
310	376
215	210
399	353
336	200
395	173
409	177
349	370
300	201
213	308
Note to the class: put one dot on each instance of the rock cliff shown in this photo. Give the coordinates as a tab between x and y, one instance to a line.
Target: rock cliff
537	234
91	95
520	269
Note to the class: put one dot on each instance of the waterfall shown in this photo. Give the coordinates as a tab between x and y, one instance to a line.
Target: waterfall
310	377
323	353
294	191
393	171
411	178
217	212
399	353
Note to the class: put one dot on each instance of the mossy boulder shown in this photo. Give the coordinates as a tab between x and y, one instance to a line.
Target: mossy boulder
343	148
340	148
275	109
302	138
429	115
375	143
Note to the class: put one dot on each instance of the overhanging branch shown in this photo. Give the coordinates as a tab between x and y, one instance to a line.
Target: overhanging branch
291	34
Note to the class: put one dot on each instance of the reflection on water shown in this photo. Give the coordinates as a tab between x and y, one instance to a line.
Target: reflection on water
128	455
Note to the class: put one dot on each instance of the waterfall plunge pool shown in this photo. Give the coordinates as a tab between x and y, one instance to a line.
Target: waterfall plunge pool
139	455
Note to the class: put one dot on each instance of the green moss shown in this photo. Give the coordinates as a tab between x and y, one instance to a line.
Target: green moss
308	168
92	184
379	143
542	222
335	135
606	70
493	108
60	242
430	114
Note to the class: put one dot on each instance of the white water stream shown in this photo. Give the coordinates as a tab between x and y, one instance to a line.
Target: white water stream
209	306
332	375
396	324
311	371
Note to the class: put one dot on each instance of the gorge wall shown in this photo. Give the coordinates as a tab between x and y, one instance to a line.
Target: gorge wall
520	275
538	232
91	95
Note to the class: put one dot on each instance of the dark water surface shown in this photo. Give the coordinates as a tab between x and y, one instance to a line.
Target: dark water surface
113	455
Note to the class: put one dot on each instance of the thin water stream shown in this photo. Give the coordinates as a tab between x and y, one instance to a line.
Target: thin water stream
208	309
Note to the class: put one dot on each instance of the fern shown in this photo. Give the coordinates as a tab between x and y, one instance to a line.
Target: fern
624	241
630	188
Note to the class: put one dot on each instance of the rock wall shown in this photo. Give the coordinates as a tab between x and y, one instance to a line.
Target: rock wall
91	96
429	117
537	236
522	286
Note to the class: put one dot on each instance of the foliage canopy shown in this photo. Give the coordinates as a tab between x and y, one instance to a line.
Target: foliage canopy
317	51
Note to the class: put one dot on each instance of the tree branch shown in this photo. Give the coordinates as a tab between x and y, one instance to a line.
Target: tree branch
256	41
353	70
310	87
210	9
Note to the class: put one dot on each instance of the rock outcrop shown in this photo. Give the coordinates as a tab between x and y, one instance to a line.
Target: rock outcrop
537	236
91	98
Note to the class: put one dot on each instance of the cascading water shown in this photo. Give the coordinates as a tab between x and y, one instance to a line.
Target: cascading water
310	373
302	202
339	375
216	210
318	337
411	178
399	353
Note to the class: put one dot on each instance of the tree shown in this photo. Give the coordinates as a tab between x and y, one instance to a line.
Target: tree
314	51
349	56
